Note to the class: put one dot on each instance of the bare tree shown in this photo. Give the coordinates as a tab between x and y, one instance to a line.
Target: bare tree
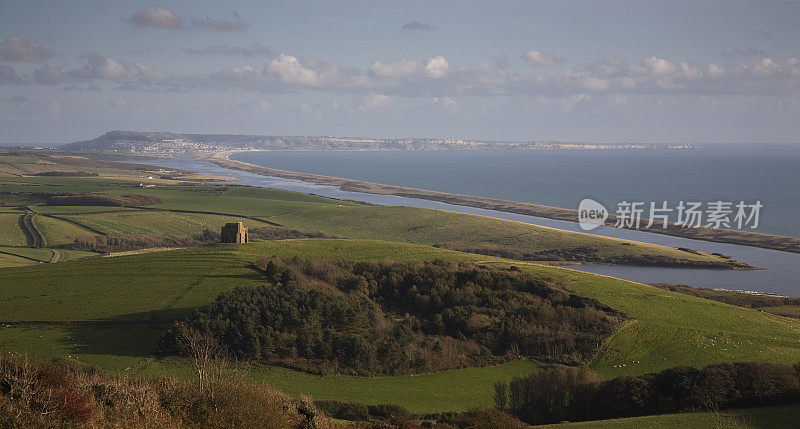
204	351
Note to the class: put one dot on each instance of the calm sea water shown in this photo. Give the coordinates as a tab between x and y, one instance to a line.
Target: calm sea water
780	273
768	173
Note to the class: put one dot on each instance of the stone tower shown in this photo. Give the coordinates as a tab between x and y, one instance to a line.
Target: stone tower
234	232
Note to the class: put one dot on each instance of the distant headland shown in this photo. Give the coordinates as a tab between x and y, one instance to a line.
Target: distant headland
174	143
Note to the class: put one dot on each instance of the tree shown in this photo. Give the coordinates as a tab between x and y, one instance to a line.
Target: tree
204	351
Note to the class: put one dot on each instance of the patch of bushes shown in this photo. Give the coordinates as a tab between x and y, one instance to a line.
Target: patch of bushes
284	233
592	255
575	394
354	411
95	199
66	393
67	174
398	318
126	242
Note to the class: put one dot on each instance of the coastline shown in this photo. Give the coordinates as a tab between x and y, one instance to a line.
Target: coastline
744	238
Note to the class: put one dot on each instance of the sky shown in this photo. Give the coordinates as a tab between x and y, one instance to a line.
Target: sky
592	71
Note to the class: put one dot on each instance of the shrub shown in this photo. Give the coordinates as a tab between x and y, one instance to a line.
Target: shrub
93	199
378	318
557	394
66	393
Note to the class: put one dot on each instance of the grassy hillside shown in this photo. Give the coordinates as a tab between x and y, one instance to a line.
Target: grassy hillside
137	296
10	232
426	226
753	418
190	208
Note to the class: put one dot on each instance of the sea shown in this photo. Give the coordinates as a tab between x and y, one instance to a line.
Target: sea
749	173
765	173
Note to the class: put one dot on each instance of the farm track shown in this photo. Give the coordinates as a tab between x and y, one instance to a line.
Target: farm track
33	234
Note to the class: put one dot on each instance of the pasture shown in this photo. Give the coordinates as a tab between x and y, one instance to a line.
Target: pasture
137	296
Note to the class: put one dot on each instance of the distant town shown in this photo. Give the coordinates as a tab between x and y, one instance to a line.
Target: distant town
187	144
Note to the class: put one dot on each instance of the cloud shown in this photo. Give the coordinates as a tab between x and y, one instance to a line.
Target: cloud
17	48
47	75
609	66
765	67
234	23
436	67
657	67
538	58
100	67
289	70
435	77
416	25
375	101
400	69
157	17
7	74
256	50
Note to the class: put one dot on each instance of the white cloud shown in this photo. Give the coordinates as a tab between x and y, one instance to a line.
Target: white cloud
16	48
375	101
158	17
290	71
793	66
436	67
100	67
688	71
395	70
714	71
765	67
539	58
658	66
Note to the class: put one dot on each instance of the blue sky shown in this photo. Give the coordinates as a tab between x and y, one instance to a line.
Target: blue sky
604	71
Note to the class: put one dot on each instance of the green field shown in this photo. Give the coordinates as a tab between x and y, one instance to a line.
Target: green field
406	224
112	311
13	261
428	227
57	232
781	417
141	222
10	232
669	329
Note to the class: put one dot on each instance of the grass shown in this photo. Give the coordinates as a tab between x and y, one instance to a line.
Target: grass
10	232
406	224
669	329
141	294
672	329
57	232
428	227
17	159
125	348
786	416
13	261
43	255
142	222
